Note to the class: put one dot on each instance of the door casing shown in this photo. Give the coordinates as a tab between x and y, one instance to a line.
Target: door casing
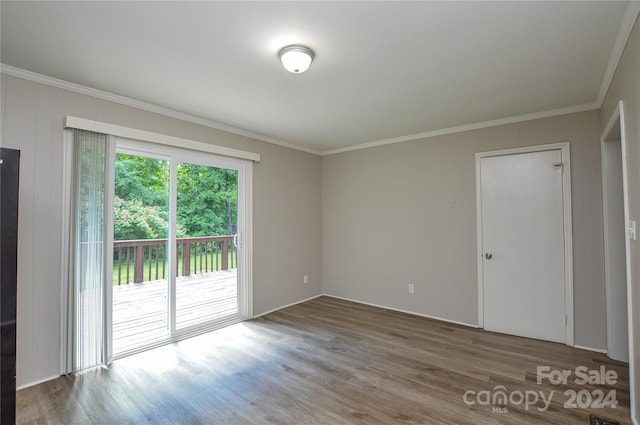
568	236
615	124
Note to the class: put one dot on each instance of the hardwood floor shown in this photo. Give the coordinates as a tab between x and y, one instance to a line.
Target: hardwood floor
328	361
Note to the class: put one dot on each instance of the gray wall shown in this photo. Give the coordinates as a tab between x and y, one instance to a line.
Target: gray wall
626	87
287	210
406	213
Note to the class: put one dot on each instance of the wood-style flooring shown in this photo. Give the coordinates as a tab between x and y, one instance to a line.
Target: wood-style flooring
328	361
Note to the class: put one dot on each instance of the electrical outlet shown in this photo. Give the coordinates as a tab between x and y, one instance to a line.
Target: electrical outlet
412	288
305	279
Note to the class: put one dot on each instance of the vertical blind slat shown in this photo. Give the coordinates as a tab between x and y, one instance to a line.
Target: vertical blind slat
89	157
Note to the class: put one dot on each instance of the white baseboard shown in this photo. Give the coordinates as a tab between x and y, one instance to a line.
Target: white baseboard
40	381
441	319
597	350
285	306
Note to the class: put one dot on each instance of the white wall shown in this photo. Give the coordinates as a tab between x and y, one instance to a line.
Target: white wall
406	213
626	87
287	210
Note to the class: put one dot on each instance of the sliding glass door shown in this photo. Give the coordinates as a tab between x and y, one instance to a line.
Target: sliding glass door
206	224
140	250
178	258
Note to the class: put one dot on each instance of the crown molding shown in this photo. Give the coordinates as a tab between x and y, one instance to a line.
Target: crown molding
146	106
626	26
467	127
88	91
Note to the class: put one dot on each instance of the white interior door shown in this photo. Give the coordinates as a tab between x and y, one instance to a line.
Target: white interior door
523	263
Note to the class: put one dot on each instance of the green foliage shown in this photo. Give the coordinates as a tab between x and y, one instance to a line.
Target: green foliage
142	179
207	201
133	220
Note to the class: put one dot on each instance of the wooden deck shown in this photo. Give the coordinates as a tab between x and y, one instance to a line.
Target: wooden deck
140	309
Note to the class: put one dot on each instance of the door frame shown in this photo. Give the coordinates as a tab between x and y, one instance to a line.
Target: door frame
568	235
617	119
245	240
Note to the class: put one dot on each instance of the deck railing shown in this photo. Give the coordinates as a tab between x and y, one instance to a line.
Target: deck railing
148	258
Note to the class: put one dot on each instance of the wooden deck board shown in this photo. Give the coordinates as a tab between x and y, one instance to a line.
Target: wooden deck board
140	309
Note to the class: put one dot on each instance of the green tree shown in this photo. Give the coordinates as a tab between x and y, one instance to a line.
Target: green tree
141	193
133	220
142	179
207	200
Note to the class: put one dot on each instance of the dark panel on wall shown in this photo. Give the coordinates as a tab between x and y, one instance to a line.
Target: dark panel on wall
9	174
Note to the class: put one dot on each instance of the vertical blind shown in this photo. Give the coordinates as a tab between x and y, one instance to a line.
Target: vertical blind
88	294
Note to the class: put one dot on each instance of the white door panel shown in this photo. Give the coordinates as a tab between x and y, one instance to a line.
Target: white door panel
523	233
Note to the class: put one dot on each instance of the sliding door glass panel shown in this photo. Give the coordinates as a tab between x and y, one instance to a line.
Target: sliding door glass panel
206	227
140	251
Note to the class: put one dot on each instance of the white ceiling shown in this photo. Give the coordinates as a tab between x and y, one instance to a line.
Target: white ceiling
382	70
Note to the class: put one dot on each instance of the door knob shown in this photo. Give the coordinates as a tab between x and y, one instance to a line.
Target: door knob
488	256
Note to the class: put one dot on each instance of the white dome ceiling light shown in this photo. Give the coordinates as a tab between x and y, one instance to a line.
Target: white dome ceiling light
296	59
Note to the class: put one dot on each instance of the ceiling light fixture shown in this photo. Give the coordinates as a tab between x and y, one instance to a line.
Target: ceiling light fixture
296	59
